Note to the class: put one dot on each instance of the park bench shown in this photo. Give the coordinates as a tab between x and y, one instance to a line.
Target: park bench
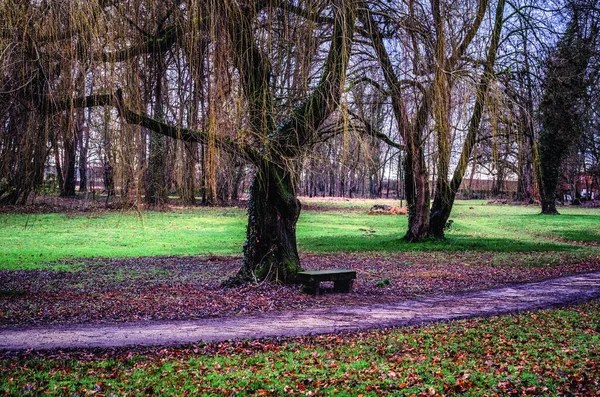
342	280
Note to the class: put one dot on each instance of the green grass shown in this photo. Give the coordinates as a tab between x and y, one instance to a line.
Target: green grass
34	241
551	352
29	241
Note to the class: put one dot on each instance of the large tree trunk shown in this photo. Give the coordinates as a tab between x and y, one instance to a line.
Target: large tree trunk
270	251
416	187
549	205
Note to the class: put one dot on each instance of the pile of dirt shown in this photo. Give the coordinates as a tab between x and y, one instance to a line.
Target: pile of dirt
387	210
514	202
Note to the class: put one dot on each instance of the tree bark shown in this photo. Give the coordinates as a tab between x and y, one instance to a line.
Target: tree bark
188	186
84	142
270	251
416	188
70	148
156	190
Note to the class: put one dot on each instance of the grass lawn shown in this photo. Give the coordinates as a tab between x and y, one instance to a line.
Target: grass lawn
34	241
550	352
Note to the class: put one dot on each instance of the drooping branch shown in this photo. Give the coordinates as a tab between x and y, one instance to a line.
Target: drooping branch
184	134
369	81
94	100
304	13
387	68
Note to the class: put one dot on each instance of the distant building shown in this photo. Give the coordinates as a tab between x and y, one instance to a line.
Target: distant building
486	189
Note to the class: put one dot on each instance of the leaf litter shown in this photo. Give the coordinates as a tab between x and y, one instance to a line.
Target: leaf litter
104	290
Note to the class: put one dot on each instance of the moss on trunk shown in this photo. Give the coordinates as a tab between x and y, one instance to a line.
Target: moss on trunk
270	251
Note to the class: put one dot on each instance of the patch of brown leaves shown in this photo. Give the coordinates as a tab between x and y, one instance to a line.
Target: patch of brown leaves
179	288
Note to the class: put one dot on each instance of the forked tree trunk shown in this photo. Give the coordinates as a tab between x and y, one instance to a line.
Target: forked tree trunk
270	251
446	190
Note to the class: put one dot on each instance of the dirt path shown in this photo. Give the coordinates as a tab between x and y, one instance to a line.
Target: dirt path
528	296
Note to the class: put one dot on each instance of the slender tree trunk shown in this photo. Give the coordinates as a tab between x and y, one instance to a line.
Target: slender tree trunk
187	190
84	143
57	161
156	178
70	150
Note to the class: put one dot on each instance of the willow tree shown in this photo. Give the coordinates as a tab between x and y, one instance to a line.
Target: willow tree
413	99
270	141
270	250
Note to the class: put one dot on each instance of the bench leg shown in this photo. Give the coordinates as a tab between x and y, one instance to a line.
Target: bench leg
312	289
343	285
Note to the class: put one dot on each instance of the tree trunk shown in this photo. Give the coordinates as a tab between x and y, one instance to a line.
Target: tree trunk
84	143
270	251
188	186
416	187
108	177
565	86
551	172
549	205
446	191
156	192
68	187
239	174
156	174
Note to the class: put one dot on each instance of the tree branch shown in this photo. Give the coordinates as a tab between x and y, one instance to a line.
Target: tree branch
306	118
129	116
375	133
150	46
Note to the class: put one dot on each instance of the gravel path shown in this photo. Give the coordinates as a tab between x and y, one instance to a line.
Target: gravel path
528	296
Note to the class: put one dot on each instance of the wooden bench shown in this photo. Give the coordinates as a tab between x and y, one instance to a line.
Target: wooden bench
342	280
